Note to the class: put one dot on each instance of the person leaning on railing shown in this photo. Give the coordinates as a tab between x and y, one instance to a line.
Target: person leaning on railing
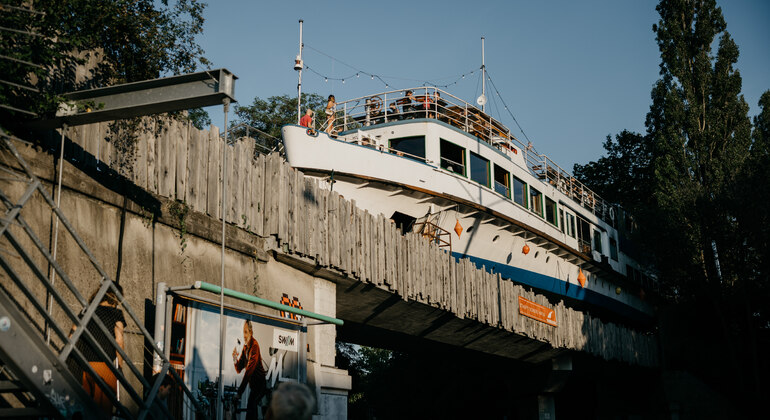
393	112
112	317
409	105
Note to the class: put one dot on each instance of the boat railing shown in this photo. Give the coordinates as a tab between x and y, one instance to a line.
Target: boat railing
450	166
502	189
432	102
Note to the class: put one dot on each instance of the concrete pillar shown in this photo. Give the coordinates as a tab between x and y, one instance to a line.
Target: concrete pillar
331	384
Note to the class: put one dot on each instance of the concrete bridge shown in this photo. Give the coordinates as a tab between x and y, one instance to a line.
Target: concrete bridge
149	208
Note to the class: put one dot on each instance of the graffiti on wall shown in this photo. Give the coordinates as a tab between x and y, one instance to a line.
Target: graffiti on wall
294	303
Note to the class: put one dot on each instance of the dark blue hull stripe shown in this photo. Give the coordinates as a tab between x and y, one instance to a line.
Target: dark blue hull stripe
556	286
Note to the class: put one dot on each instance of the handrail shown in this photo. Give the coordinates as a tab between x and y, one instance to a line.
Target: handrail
71	306
362	112
202	285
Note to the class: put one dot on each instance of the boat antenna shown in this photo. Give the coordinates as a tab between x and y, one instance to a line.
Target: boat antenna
482	100
298	65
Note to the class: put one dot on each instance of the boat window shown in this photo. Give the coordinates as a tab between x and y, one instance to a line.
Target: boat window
502	181
536	198
550	211
561	220
597	241
452	157
519	192
571	225
584	235
613	249
480	169
411	147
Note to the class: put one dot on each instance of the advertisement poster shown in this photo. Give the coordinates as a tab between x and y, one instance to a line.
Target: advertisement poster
259	353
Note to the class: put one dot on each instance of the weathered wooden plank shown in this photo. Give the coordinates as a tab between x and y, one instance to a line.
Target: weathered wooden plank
140	157
232	161
258	195
108	154
360	244
299	212
213	173
198	168
167	160
182	144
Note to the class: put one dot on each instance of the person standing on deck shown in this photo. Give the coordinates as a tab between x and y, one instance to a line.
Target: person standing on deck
331	109
307	119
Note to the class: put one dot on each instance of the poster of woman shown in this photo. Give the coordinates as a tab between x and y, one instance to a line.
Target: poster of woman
257	359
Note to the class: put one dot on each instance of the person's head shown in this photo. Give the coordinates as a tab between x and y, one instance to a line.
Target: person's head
165	387
408	93
331	98
392	105
309	112
248	332
110	298
291	401
438	94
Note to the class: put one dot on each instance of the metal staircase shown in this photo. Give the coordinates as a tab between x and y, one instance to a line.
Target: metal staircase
50	339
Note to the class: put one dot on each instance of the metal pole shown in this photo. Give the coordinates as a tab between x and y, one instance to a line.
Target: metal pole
299	83
52	274
483	77
302	354
160	325
221	388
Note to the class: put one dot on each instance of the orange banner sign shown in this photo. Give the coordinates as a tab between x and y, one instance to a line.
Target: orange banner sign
538	312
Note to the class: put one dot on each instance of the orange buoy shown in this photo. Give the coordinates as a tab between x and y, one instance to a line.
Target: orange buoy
458	228
525	249
582	278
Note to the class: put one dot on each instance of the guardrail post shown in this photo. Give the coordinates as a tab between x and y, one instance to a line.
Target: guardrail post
466	117
385	105
345	117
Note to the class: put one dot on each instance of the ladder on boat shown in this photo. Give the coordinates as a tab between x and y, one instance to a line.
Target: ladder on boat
51	341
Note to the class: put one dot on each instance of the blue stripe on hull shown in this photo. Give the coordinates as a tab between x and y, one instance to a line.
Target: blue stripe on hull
556	286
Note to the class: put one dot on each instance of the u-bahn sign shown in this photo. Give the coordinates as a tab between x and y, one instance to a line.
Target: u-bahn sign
537	312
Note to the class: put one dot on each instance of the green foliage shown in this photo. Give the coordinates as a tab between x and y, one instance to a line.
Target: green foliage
702	207
117	41
269	115
700	130
199	118
623	175
179	211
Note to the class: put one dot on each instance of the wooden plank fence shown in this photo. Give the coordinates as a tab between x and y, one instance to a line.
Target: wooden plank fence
269	198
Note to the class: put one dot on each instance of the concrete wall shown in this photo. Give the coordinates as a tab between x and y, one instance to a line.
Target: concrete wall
139	242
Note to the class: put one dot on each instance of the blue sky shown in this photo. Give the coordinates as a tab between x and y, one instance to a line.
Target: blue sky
570	72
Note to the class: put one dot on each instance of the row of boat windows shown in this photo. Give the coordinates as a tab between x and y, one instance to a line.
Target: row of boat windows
457	159
471	165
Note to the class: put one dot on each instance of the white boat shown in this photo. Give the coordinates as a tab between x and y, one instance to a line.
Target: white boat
450	171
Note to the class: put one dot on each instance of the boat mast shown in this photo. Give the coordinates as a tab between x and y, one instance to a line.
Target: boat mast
483	79
298	65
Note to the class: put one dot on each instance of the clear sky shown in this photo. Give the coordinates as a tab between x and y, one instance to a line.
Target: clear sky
571	72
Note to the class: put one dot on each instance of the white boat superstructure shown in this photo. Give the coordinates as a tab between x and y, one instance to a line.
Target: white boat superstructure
432	162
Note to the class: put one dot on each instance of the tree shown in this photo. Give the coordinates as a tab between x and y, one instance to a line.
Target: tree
623	175
700	130
46	48
268	116
705	216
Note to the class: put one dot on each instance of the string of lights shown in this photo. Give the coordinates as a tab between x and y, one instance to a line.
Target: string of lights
456	79
358	73
506	108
